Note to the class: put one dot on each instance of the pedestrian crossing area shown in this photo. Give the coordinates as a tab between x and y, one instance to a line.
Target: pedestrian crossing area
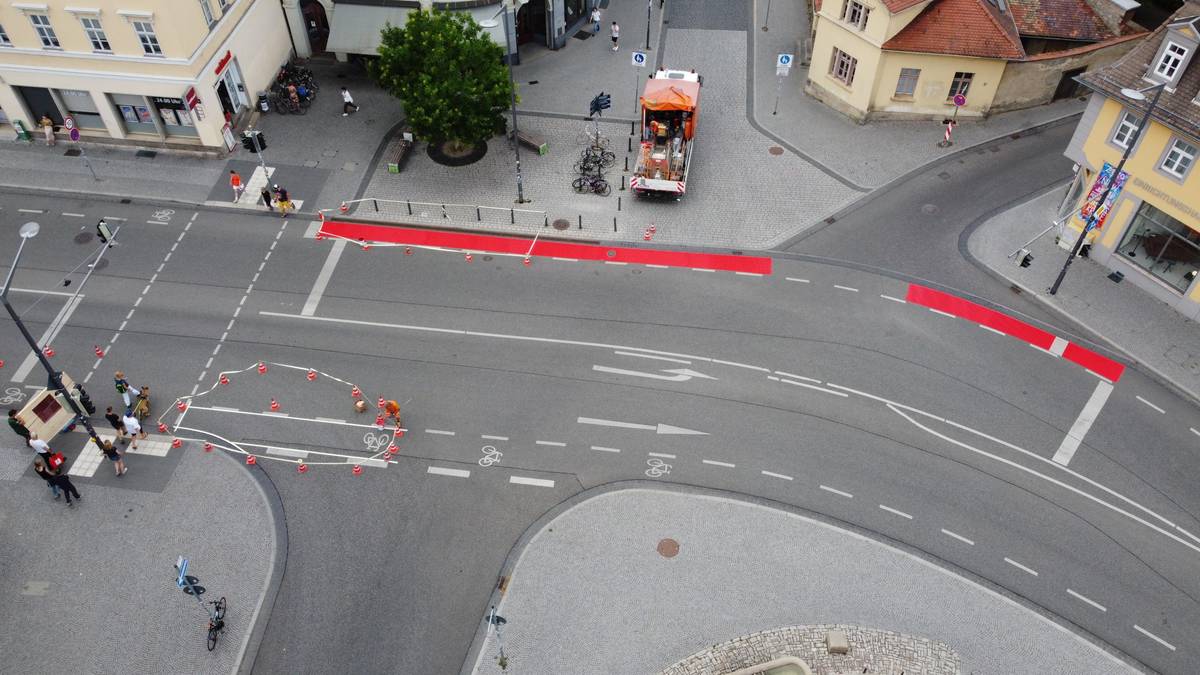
252	194
90	458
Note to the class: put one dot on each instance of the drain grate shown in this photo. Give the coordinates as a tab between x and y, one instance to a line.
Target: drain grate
73	152
126	201
561	223
146	154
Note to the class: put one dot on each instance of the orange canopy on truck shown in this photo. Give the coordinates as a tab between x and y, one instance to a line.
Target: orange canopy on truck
670	95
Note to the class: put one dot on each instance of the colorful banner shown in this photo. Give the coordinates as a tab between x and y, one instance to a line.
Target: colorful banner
1093	198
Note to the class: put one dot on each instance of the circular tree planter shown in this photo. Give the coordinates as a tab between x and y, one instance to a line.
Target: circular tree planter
443	153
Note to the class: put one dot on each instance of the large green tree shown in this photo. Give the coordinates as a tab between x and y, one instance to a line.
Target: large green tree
448	74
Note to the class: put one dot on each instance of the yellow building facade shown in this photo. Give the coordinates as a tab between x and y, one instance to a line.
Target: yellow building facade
179	73
1150	228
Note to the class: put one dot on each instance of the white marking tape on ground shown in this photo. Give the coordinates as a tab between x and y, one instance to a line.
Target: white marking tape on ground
453	473
539	482
798	377
1193	430
895	511
318	289
1089	601
73	215
1058	346
772	474
1154	637
1087	417
1160	410
957	536
841	493
1023	568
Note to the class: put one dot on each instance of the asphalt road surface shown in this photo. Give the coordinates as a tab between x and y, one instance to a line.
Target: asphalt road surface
815	386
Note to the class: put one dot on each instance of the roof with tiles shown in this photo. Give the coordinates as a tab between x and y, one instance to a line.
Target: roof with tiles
1061	19
1175	108
961	28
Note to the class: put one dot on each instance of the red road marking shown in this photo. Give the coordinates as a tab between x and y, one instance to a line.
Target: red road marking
486	243
970	311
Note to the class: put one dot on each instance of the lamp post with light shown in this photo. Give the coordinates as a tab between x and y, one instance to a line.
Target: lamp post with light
516	140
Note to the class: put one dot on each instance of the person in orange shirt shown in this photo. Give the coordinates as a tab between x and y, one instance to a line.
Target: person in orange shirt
235	182
391	409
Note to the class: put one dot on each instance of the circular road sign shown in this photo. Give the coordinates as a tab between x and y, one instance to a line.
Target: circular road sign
69	122
960	100
639	59
74	134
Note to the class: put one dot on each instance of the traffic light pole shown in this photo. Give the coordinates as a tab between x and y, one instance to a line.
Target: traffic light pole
258	151
516	140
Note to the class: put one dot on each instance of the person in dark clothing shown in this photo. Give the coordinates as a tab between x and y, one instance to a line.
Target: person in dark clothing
267	198
18	426
40	468
115	420
63	482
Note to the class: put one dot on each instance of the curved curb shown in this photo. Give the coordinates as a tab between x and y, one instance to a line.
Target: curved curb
513	557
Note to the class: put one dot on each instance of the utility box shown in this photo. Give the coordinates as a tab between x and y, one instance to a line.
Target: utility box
46	413
836	642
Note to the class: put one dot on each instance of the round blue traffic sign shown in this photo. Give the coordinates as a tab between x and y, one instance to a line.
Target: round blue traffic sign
74	134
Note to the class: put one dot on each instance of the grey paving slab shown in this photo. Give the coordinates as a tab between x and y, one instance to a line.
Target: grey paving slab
592	576
1152	333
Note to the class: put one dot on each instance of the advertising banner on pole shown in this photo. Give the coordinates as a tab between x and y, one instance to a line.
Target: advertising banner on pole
1092	204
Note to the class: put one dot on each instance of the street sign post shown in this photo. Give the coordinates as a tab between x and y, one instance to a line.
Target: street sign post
599	104
639	61
959	101
73	134
783	65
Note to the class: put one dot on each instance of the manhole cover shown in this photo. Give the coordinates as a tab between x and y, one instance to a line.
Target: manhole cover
775	150
929	208
668	548
561	223
944	175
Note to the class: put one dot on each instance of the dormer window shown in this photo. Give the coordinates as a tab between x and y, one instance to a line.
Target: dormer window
1170	60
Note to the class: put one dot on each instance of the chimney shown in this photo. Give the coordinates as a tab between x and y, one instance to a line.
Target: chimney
1114	13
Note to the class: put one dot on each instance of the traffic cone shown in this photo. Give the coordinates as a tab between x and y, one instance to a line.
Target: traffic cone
207	446
1	363
162	428
380	403
526	261
99	352
407	250
48	351
379	420
312	375
224	379
357	470
262	368
182	405
469	257
274	405
646	236
176	443
399	433
250	460
344	207
302	467
392	449
653	229
354	391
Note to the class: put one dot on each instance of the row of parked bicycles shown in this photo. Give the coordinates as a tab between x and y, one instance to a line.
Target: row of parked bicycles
293	90
593	160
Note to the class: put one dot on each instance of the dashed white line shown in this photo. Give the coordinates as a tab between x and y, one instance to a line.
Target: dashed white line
1160	410
816	388
799	281
714	462
957	536
601	448
30	211
565	259
741	365
748	274
146	289
658	267
938	311
73	215
702	269
664	455
895	511
1193	430
894	299
846	288
1154	637
443	471
799	377
1047	352
1089	601
439	432
772	474
555	444
539	482
493	438
997	332
614	262
840	493
652	356
1023	568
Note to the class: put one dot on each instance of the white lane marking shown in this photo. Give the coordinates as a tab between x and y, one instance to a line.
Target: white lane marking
1193	430
714	462
657	267
276	414
1023	568
522	480
114	218
39	291
741	365
801	281
286	452
846	288
73	215
613	262
443	471
798	377
1089	601
661	429
31	211
555	444
748	274
895	511
329	420
938	311
601	448
1058	346
1047	352
367	461
957	536
1061	484
997	332
772	474
841	493
318	288
439	432
494	438
1087	417
677	374
1160	410
652	356
60	321
566	259
1154	637
888	297
816	388
1188	533
702	269
664	455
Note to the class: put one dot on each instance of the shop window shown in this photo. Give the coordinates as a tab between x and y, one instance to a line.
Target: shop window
4	41
960	85
842	66
906	85
82	107
1179	158
572	10
95	33
137	115
45	32
175	116
1125	130
149	40
1166	248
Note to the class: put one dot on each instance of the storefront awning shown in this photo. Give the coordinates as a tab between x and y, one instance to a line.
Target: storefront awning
356	28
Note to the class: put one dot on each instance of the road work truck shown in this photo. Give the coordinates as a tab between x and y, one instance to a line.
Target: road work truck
670	106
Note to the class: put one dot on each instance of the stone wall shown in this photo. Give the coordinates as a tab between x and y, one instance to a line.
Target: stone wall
1032	82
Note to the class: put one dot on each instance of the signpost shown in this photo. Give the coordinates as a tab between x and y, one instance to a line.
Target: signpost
783	65
73	134
959	101
639	61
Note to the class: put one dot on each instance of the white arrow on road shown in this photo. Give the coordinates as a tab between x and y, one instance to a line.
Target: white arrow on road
677	374
661	429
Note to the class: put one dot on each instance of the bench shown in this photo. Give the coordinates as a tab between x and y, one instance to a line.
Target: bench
532	141
402	147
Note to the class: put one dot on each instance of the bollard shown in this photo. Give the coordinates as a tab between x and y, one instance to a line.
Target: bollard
614	223
581	221
376	202
512	217
547	221
618	196
622	183
478	216
444	212
409	206
627	164
628	148
632	126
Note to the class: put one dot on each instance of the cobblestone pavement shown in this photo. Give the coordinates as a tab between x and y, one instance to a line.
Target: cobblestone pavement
591	593
92	589
1153	334
873	651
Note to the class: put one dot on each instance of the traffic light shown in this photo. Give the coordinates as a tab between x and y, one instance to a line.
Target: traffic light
262	140
254	141
248	143
602	101
85	400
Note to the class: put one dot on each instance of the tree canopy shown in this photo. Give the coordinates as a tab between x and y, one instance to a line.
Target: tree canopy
448	74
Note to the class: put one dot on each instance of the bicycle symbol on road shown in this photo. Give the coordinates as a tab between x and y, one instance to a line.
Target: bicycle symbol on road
163	214
376	442
12	395
490	455
658	468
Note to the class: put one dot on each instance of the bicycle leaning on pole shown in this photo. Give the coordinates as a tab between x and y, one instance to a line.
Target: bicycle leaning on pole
216	614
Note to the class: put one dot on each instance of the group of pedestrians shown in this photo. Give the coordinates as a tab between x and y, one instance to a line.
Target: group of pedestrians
50	465
272	196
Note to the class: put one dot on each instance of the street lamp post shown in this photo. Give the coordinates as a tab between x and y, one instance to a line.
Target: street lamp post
516	140
648	3
29	231
1137	95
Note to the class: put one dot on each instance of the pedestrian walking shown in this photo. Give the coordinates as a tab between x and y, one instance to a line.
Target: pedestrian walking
595	21
616	34
114	456
348	104
134	427
115	420
17	424
283	201
42	448
122	386
40	468
235	182
47	126
266	198
63	482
